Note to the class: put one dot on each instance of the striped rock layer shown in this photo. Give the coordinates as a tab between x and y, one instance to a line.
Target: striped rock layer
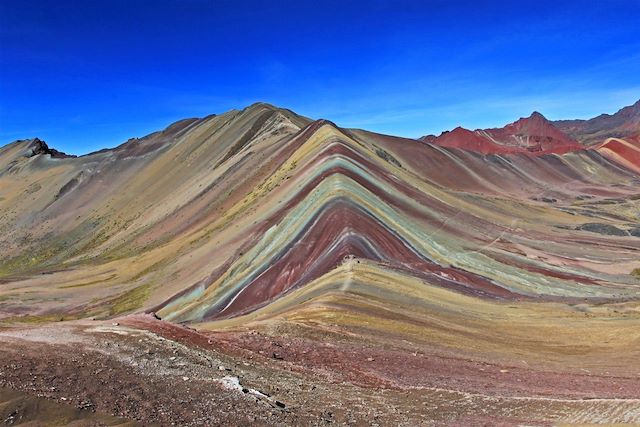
262	215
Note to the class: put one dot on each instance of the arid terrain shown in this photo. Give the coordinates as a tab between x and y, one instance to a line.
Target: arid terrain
259	267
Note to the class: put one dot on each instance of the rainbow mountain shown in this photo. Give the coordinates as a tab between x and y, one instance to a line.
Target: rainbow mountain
472	243
238	213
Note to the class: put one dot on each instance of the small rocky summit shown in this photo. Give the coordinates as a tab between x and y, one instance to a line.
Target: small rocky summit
38	146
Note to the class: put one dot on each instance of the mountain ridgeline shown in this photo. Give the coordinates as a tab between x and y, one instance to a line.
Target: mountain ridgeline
263	213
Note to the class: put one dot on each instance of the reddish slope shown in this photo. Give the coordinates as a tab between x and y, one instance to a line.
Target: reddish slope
468	140
625	152
534	134
623	124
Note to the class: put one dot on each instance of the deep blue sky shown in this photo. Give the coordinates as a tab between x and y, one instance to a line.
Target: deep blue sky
84	75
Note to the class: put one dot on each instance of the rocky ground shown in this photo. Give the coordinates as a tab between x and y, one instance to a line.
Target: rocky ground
139	370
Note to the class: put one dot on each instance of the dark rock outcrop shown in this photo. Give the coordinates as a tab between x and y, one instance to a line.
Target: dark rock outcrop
38	146
607	229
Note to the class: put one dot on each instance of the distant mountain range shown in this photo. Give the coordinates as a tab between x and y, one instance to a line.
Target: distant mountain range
537	135
623	124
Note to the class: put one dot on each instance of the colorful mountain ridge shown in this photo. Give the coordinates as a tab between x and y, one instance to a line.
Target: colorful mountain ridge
514	245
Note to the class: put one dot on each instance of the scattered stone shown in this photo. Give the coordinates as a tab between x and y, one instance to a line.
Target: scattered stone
232	383
85	405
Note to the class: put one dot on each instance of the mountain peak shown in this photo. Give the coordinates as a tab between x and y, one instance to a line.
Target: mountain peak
38	146
536	115
466	139
262	104
534	134
459	130
535	119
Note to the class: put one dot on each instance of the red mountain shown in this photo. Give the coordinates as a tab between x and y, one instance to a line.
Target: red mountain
625	123
625	152
470	140
534	134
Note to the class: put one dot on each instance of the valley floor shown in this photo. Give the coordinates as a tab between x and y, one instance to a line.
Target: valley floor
145	371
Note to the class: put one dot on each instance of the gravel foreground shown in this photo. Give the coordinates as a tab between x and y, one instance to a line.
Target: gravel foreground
143	371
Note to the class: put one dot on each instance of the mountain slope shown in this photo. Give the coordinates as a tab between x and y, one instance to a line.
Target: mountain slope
625	152
506	266
624	123
219	216
534	134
